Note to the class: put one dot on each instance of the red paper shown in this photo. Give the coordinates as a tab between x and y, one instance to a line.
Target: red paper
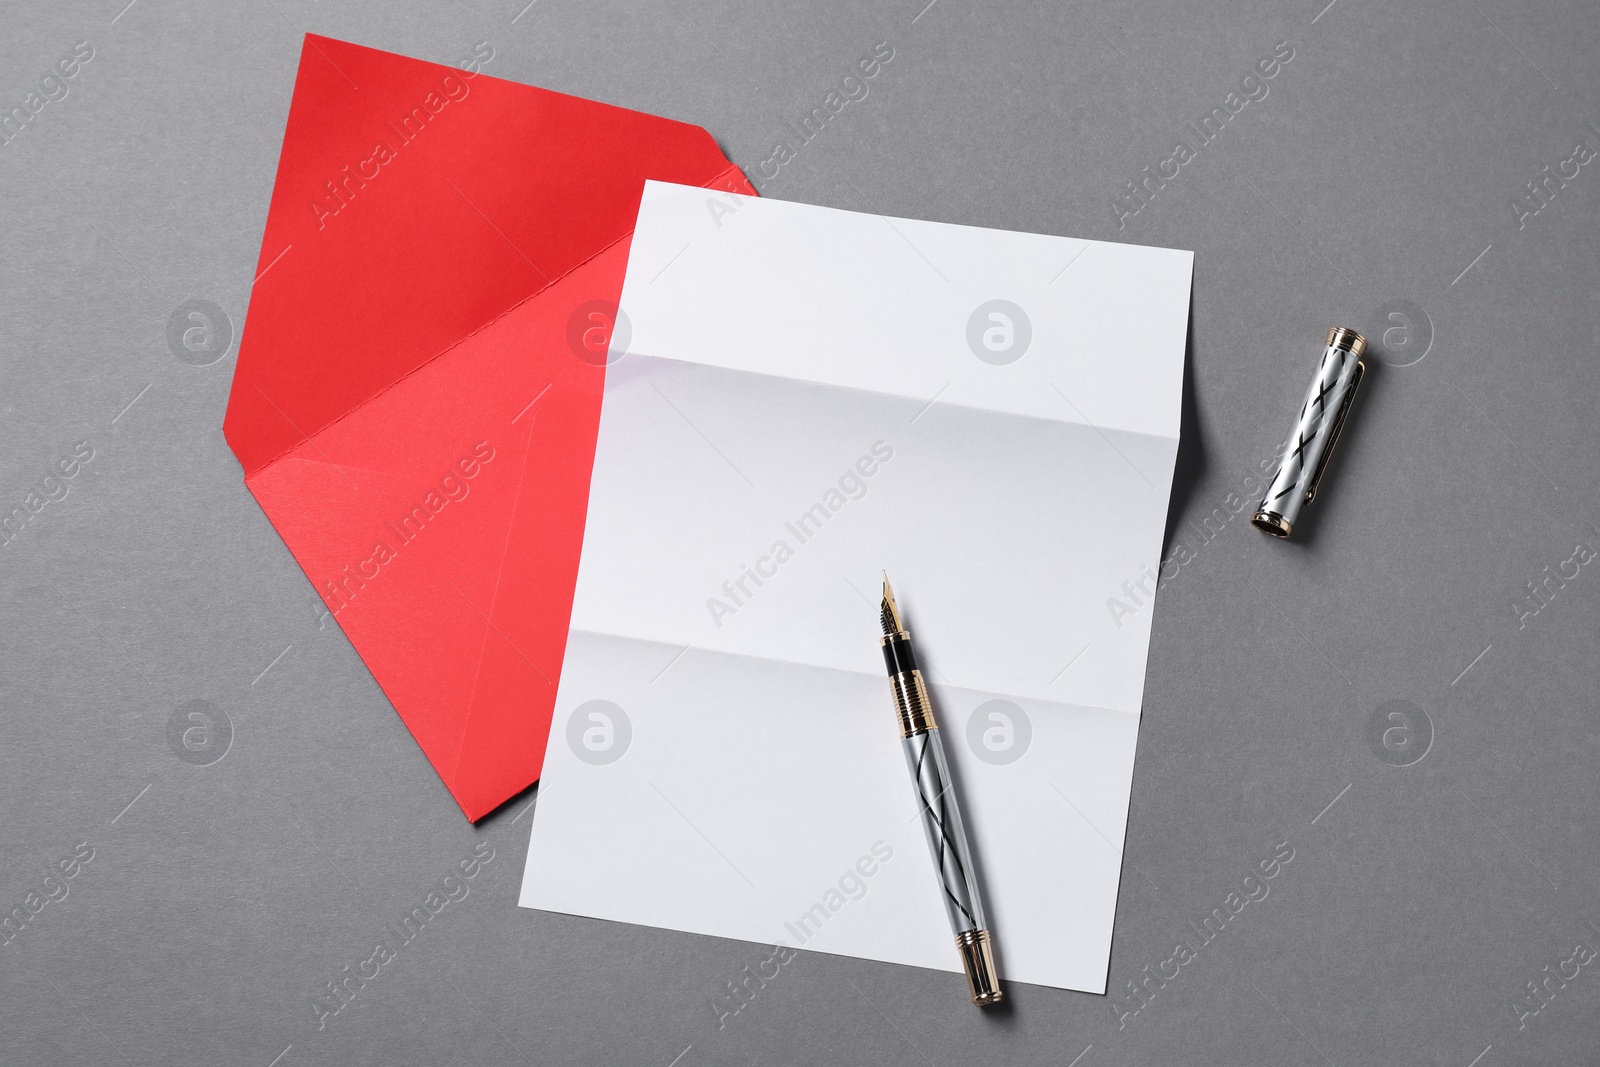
418	384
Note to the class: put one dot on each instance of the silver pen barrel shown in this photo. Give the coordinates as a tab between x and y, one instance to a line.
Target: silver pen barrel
947	837
941	811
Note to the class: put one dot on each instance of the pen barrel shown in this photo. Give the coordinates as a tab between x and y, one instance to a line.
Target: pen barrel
945	831
1338	372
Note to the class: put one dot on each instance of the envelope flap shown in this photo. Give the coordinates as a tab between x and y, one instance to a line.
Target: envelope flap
414	204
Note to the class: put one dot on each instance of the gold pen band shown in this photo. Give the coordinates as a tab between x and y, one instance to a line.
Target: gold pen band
912	707
1271	522
977	956
1347	339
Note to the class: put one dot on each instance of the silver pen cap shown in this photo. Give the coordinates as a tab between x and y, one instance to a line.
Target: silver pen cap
1314	433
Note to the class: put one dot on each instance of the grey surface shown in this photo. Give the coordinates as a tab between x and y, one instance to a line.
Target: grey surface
1380	167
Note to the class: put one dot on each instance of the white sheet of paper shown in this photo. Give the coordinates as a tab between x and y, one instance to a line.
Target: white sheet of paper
798	402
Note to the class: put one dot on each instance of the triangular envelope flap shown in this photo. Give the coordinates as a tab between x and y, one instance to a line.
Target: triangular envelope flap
413	205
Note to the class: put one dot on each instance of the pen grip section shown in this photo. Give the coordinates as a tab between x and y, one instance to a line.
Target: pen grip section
946	834
899	655
911	704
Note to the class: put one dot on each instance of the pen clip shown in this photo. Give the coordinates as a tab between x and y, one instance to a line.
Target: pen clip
1338	428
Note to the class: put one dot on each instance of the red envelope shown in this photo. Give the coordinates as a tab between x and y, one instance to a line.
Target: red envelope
418	386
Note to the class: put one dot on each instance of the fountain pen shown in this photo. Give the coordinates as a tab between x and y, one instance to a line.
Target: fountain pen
941	814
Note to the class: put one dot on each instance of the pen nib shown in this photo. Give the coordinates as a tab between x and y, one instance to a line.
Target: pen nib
891	610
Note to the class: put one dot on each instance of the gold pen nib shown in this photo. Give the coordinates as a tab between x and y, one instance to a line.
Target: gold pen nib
891	610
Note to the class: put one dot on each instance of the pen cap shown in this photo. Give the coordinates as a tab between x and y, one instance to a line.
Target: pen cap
1314	432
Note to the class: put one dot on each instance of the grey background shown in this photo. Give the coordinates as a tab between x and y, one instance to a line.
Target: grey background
1381	166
